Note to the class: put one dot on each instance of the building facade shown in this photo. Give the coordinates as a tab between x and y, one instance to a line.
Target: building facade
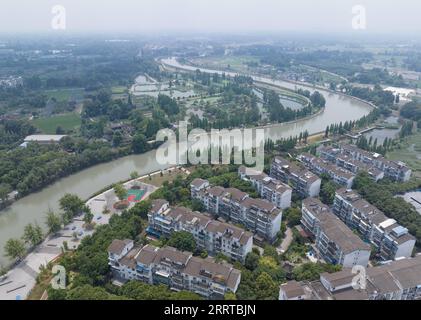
176	269
258	215
391	240
339	175
355	159
395	280
268	188
334	241
302	181
210	235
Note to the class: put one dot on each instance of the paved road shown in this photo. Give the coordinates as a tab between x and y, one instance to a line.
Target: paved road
286	242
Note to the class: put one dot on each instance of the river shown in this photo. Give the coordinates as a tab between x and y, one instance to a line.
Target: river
85	183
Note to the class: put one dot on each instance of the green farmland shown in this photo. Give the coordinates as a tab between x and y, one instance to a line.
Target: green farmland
65	94
49	125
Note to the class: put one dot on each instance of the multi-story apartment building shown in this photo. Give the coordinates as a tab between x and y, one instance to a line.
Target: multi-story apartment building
302	181
334	241
175	269
391	240
258	215
395	280
210	235
334	155
339	175
354	158
268	188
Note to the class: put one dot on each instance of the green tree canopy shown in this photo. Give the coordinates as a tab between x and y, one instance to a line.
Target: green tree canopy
15	249
33	234
183	241
53	222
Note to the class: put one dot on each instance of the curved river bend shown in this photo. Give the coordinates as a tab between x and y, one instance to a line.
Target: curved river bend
85	183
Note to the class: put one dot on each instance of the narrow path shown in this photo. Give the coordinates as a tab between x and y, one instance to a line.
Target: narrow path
283	247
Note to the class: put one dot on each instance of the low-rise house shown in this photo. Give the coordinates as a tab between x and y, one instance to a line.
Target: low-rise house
395	280
268	188
117	250
334	241
302	181
176	269
391	240
292	290
258	215
210	235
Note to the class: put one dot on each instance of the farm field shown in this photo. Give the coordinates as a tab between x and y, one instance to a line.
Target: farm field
119	89
49	125
410	153
237	63
65	94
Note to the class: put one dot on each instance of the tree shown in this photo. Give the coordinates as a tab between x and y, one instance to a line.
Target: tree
5	189
252	261
230	296
134	175
139	143
142	208
197	205
117	138
311	271
305	136
88	217
120	191
266	288
33	234
327	191
293	216
15	249
60	130
183	241
53	222
168	104
72	205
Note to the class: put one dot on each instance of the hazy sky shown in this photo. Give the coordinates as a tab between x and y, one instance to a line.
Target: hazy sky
383	16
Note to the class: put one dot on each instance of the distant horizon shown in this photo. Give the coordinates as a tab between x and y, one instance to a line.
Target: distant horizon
382	17
338	37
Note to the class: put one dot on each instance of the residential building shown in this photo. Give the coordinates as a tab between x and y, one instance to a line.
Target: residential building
394	280
302	181
292	290
268	188
354	158
258	215
391	240
262	217
210	235
338	175
334	241
176	269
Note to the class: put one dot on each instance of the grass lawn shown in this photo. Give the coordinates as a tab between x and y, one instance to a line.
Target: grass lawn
237	63
409	152
157	180
64	94
119	89
49	125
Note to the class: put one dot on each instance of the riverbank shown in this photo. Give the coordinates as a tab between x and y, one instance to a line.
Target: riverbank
32	208
21	278
256	78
